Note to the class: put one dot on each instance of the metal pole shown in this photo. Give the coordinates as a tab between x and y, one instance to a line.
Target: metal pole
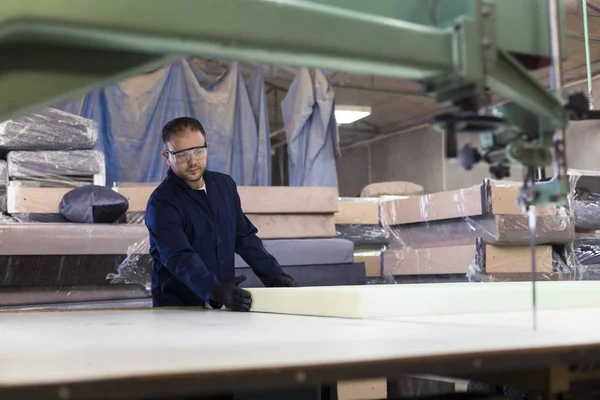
588	62
556	80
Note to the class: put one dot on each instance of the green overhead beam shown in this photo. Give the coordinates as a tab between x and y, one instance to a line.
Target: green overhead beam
524	29
53	50
85	44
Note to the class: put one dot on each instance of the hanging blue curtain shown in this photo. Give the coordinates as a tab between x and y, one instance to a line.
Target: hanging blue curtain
131	114
312	133
258	100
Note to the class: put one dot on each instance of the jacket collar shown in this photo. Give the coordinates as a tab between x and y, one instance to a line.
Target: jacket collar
213	198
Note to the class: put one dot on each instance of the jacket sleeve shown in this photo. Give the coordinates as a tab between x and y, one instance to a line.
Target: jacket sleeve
165	226
250	247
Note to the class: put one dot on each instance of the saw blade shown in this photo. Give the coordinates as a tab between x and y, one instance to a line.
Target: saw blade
532	231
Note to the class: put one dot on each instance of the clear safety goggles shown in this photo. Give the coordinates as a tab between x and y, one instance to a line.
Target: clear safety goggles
184	155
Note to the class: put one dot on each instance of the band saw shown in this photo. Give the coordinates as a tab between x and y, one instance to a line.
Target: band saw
475	50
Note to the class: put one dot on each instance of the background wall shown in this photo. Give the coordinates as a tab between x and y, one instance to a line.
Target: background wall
417	156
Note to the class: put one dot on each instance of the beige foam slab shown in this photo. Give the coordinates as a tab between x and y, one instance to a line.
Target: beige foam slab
452	204
357	212
257	199
71	238
382	301
372	264
463	259
365	389
517	259
254	199
289	226
429	261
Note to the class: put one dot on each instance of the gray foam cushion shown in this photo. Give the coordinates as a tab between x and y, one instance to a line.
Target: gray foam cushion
93	204
292	252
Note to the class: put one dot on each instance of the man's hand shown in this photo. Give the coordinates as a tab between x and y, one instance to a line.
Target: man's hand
284	280
233	297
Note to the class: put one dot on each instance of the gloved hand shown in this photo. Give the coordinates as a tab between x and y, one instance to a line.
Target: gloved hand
284	280
232	296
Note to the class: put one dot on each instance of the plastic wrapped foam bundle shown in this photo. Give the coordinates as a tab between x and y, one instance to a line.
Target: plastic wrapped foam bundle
476	234
586	255
58	168
585	191
459	217
48	129
358	220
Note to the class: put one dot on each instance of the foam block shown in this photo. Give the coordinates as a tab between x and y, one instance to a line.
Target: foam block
388	301
256	199
285	226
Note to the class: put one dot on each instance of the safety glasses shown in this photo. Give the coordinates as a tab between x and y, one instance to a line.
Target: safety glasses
184	155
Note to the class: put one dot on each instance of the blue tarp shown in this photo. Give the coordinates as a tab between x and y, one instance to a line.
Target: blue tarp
312	133
131	114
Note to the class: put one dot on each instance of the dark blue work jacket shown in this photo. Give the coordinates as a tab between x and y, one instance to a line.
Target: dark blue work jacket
194	236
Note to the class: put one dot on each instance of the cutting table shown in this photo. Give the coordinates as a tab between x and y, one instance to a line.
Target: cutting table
138	353
53	51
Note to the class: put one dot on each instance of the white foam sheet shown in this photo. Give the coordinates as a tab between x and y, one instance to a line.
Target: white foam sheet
87	346
374	301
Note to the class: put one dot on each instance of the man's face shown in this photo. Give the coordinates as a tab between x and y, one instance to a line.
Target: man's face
185	155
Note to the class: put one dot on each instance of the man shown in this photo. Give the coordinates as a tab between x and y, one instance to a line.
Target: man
196	224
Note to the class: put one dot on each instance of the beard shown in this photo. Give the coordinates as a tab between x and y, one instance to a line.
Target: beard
195	176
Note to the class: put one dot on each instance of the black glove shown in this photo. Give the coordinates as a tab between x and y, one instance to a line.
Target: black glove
284	280
233	297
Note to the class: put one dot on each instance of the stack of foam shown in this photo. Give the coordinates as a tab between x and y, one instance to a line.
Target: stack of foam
312	262
67	263
477	233
585	190
278	212
64	262
111	261
358	220
49	149
296	223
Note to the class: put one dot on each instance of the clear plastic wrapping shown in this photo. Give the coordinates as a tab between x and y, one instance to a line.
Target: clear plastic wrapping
54	257
585	191
136	268
358	220
48	129
363	234
476	234
586	255
587	249
59	168
459	217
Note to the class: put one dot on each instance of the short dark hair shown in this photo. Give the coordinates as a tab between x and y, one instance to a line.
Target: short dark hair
179	125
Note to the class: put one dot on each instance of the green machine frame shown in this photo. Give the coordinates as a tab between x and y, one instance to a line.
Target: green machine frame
459	50
56	49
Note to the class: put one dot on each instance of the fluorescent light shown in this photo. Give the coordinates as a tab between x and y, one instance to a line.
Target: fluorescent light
350	114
